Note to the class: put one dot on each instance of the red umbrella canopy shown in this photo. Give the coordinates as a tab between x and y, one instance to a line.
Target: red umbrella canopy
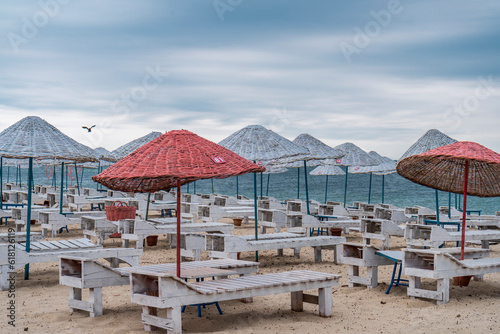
175	155
443	168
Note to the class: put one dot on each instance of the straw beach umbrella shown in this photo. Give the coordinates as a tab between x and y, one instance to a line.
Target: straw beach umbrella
383	167
258	144
461	167
431	139
354	156
171	160
319	151
327	170
130	147
32	137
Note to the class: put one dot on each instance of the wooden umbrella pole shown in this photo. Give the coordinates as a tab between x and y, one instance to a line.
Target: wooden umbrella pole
178	239
464	212
370	189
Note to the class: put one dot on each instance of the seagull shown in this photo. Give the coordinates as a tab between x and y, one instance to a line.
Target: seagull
88	129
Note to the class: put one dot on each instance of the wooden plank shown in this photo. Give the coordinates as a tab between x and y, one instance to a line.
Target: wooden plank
311	299
59	244
157	321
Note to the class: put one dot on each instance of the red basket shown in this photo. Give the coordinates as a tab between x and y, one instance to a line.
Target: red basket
120	210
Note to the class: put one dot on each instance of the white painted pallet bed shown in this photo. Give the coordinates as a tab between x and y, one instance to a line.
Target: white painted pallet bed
442	264
380	229
356	256
82	273
138	230
228	246
434	236
163	291
49	251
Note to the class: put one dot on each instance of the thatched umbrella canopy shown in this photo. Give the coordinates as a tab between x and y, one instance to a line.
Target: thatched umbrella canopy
103	154
124	150
432	139
33	137
258	144
171	160
461	167
327	170
354	156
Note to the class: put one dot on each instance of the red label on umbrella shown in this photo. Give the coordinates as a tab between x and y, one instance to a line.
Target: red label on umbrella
259	163
218	160
339	161
356	168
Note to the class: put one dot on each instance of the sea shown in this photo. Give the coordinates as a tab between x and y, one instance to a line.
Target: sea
289	185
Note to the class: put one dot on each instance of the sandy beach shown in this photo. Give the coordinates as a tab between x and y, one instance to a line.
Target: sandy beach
41	303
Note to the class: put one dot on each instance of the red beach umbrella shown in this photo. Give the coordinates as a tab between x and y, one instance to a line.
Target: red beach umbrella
463	167
171	160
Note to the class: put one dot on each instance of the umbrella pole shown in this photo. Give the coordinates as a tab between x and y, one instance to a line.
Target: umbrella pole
28	218
212	186
307	188
437	206
370	189
255	211
62	188
1	183
326	188
194	187
449	205
267	189
298	183
187	188
98	172
237	187
8	174
464	212
77	182
383	188
261	187
345	185
147	206
178	239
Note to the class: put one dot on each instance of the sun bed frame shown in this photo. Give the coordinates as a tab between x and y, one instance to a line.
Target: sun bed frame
49	251
163	291
83	273
441	265
228	246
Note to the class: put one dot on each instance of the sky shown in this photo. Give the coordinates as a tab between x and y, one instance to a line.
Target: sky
375	73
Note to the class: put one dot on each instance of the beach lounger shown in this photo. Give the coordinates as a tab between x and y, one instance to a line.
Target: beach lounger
434	236
164	291
49	251
228	246
83	273
380	229
441	265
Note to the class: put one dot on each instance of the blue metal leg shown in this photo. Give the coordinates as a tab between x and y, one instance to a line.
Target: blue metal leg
218	308
392	278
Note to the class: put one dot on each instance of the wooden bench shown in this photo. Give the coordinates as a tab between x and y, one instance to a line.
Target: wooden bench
138	230
434	236
356	256
380	229
83	273
441	265
49	251
164	291
98	227
228	246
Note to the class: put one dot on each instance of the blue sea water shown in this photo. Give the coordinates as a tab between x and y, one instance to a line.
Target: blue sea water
398	190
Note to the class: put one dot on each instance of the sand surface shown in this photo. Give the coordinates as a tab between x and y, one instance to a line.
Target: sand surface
42	303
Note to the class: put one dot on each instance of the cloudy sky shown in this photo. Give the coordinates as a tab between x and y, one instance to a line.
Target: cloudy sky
375	73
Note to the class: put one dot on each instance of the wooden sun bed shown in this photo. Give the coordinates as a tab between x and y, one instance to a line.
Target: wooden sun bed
434	236
442	264
49	251
380	229
228	246
164	291
83	273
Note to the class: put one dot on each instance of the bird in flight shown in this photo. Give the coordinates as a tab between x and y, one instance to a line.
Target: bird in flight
88	129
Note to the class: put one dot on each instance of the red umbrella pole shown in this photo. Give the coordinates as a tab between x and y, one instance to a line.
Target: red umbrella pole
178	214
464	212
